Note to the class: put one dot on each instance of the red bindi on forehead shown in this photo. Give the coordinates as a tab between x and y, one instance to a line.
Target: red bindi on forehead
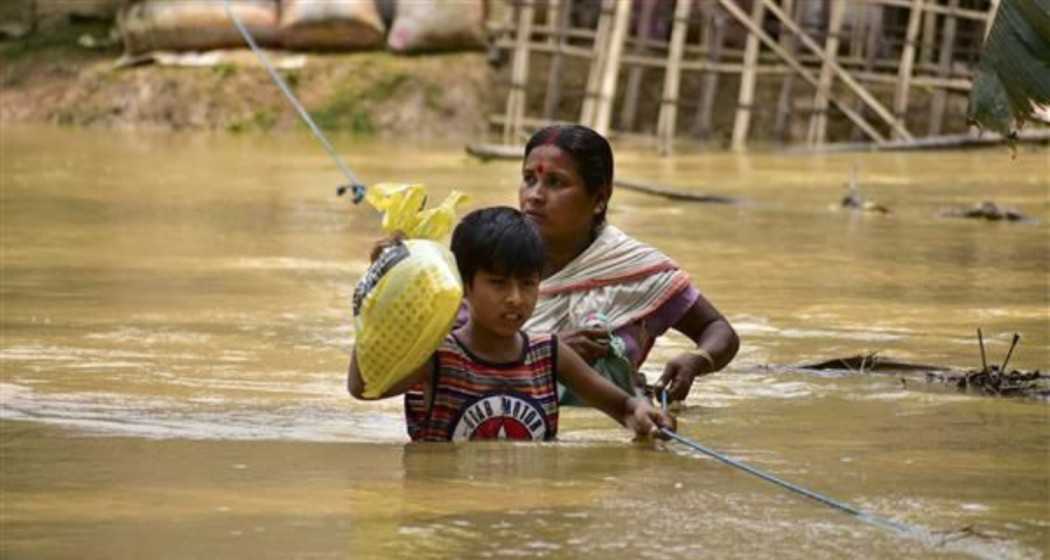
539	169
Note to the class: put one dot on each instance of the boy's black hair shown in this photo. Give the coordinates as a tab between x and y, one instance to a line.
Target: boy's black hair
499	240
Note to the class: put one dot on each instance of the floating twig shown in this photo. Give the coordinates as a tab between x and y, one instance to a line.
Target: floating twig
980	340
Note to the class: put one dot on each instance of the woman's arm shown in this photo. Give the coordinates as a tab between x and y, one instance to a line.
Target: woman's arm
356	384
632	412
716	345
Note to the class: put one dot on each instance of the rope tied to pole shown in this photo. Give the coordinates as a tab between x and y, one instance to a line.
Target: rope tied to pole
356	187
841	506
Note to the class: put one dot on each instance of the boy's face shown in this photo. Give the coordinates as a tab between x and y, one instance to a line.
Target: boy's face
501	303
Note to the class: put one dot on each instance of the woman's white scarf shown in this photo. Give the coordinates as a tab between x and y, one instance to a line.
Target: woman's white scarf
616	277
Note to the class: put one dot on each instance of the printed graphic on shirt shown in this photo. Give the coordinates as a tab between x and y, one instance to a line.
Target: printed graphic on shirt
501	416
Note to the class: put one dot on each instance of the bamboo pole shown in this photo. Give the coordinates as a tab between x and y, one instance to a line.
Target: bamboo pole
553	14
818	122
634	80
598	56
737	13
992	11
553	97
928	36
603	110
715	27
842	74
858	30
746	96
977	15
900	98
786	97
669	104
519	76
944	68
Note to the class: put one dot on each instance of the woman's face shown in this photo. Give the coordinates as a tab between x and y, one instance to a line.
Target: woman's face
554	197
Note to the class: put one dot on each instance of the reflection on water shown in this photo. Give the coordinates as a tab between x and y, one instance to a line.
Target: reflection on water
175	326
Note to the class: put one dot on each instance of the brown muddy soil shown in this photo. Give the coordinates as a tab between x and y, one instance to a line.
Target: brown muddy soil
55	79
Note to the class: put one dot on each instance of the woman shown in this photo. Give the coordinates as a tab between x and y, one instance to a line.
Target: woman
607	295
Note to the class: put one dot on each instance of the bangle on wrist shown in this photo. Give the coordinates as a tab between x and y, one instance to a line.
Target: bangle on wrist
705	355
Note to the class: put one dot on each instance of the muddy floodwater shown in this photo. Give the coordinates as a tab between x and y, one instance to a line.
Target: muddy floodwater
176	325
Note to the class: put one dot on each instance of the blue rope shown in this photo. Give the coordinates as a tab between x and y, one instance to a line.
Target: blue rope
357	187
863	516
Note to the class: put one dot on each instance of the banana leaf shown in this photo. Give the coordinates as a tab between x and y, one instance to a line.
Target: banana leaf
1013	77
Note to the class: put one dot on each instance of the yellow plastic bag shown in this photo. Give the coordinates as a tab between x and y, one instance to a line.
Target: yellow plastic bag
402	207
407	301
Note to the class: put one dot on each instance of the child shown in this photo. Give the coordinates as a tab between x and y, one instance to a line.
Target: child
489	379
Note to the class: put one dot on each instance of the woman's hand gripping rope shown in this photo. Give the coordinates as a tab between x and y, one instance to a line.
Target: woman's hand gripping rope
681	371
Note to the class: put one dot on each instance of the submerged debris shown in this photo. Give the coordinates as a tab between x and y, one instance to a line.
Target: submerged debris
854	200
995	380
868	362
986	210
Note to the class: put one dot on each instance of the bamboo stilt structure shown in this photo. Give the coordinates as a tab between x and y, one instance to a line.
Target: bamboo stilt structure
714	36
634	79
553	97
746	95
801	70
598	56
904	75
818	122
944	68
840	72
669	104
784	100
611	69
807	45
512	129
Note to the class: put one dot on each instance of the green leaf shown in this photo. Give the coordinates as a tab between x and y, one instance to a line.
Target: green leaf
1014	74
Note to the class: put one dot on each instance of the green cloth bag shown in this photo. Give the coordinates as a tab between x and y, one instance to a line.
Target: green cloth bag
614	366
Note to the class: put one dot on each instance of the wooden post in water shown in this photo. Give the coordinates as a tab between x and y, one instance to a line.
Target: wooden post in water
634	79
607	93
553	97
944	69
904	74
714	36
818	122
669	103
512	125
786	97
598	57
746	97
